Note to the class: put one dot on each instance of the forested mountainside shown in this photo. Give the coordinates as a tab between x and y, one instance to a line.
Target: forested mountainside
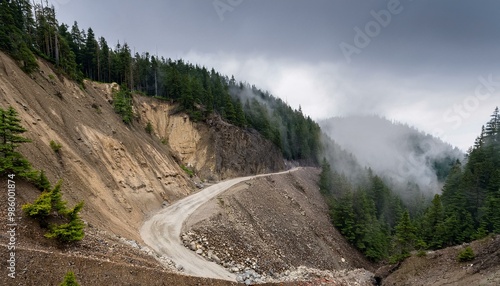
397	151
386	216
34	30
377	220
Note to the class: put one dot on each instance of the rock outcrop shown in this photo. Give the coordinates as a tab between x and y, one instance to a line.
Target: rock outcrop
213	148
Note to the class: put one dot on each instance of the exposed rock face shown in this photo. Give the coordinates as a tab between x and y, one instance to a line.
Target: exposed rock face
215	149
239	152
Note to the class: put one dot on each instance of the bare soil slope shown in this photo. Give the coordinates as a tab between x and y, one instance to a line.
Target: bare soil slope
442	268
120	171
100	258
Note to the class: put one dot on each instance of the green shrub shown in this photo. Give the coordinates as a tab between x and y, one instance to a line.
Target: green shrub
149	128
421	253
398	258
50	201
42	182
40	208
188	171
467	254
69	279
71	231
68	232
55	146
45	203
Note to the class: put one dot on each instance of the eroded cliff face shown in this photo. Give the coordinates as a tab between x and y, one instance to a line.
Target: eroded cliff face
121	172
242	152
214	149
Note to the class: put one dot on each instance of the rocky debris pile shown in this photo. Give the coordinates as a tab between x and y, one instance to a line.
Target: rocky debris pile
359	277
248	272
247	268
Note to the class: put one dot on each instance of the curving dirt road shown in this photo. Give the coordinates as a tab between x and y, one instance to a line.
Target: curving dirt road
162	231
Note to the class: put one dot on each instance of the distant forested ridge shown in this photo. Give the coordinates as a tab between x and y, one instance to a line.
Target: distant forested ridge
373	217
27	31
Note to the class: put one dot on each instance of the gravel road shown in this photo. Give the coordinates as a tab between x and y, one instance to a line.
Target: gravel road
162	231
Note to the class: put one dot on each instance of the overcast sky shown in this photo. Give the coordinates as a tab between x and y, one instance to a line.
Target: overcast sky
432	64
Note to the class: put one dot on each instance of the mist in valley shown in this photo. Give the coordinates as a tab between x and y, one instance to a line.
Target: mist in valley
406	158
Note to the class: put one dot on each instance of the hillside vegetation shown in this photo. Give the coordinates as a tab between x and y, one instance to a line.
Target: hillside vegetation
385	225
200	93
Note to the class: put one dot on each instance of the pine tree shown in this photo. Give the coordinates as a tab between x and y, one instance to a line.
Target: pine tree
405	237
343	217
122	103
91	55
433	224
16	32
325	178
43	183
10	140
40	209
240	119
56	199
47	202
69	279
71	231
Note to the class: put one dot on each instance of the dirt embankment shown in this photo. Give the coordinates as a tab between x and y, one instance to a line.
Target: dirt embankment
273	225
442	267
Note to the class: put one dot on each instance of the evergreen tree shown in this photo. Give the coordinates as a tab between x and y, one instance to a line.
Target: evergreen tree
43	183
47	202
69	279
16	29
343	217
10	139
90	62
40	209
405	237
433	227
325	178
71	231
122	103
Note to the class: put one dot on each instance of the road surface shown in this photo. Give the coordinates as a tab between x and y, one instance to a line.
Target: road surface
162	231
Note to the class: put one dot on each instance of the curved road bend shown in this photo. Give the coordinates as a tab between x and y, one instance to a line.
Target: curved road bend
162	231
